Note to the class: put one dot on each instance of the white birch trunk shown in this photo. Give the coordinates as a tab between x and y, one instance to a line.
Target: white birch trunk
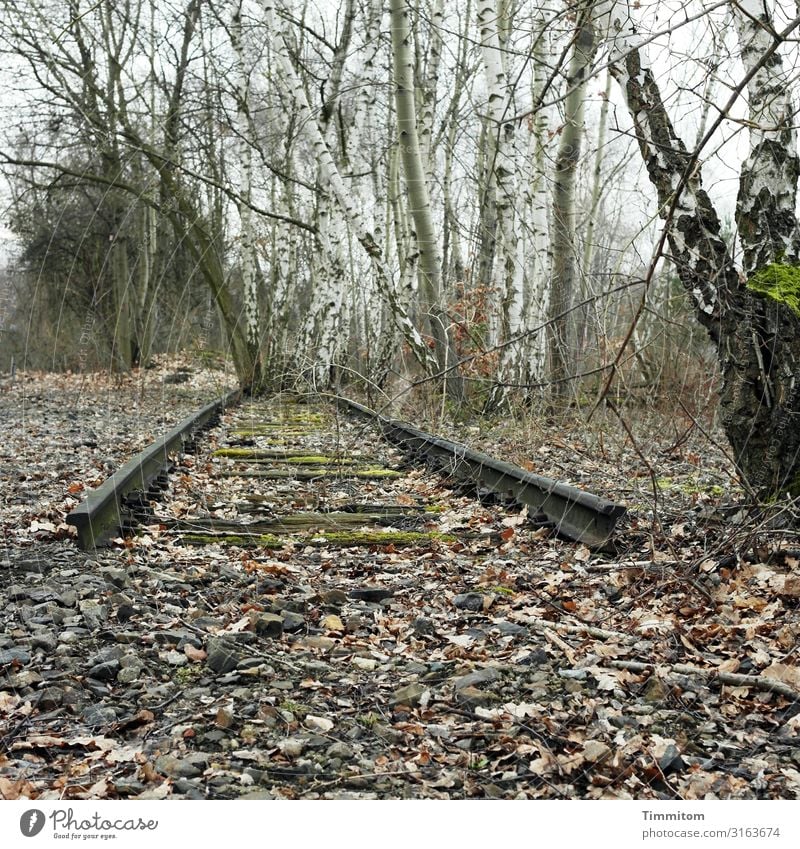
565	259
425	237
538	258
503	172
765	208
344	198
757	335
244	154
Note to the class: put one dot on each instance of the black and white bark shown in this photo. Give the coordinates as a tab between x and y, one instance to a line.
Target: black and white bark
565	267
757	339
345	199
424	232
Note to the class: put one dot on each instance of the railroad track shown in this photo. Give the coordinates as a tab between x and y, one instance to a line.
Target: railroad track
289	457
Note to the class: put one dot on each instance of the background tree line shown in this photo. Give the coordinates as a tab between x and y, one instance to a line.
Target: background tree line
504	197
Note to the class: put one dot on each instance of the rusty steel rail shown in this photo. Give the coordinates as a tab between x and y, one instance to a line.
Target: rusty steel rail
109	509
574	513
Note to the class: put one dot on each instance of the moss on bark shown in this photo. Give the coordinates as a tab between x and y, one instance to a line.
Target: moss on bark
779	282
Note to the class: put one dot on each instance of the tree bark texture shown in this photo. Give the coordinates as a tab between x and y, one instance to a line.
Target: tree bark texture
424	232
565	268
757	337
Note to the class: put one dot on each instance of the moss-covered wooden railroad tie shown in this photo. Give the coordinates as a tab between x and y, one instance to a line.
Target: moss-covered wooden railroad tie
310	474
322	539
294	458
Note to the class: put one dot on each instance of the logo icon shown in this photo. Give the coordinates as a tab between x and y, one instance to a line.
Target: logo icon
31	822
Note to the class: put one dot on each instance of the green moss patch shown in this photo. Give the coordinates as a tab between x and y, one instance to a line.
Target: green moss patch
272	432
312	473
690	487
292	457
780	283
320	539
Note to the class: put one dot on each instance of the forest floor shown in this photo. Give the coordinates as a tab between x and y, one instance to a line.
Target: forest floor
490	659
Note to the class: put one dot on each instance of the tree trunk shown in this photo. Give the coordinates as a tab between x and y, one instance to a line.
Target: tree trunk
502	168
345	199
247	255
425	237
565	259
755	323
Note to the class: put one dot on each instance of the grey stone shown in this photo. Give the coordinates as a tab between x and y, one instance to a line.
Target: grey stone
335	598
424	627
269	625
176	658
108	653
69	598
371	594
98	715
50	698
127	786
46	642
14	655
536	658
222	657
292	747
671	760
474	679
125	612
119	598
170	637
355	623
115	577
340	750
292	621
105	671
573	674
511	629
42	595
16	592
127	637
469	601
188	788
473	697
24	678
174	767
94	614
442	732
129	674
408	695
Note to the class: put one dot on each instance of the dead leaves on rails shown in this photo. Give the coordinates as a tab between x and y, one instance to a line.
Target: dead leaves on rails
508	664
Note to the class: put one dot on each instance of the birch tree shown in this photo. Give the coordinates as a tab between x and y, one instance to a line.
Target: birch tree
344	197
564	242
751	314
502	173
244	150
425	238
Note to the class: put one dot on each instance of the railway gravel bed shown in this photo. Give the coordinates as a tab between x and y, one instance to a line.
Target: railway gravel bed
305	615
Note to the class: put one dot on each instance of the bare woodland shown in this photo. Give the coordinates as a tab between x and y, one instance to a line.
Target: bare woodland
508	202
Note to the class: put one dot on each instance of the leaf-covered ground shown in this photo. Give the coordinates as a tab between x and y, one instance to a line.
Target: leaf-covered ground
458	650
